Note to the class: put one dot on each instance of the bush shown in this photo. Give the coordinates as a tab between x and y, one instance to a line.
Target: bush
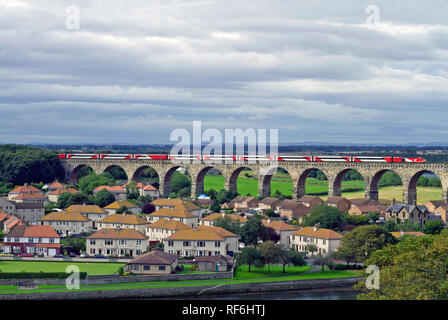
120	271
339	266
193	268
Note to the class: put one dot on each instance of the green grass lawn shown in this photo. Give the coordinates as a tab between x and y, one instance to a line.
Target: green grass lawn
289	277
280	183
242	272
313	186
93	268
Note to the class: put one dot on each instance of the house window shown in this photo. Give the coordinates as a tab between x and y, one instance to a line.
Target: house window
51	240
108	242
122	242
162	268
146	268
186	243
135	267
30	240
92	242
139	242
217	244
201	243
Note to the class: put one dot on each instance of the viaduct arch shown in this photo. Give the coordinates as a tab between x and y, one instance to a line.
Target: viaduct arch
334	171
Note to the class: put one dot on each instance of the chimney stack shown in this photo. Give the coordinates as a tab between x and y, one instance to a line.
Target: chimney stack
269	220
402	233
223	214
316	227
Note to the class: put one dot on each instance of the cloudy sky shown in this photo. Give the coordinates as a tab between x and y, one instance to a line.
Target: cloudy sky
335	71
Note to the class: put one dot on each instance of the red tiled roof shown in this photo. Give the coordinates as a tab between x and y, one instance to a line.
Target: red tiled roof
40	232
110	188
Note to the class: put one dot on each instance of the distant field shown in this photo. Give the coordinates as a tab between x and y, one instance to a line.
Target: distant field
284	185
93	268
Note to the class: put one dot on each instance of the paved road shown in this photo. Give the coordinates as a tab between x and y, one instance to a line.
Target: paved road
76	259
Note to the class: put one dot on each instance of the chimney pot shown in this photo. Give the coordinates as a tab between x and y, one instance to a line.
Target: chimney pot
316	227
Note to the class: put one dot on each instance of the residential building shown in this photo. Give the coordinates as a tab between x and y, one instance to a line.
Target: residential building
128	221
67	223
150	190
56	185
341	203
54	194
211	218
243	203
213	263
30	198
281	228
358	210
326	241
90	211
118	191
114	206
195	243
178	213
7	222
166	203
163	228
268	203
7	206
230	238
311	201
439	208
33	240
293	209
154	262
30	212
362	202
400	213
117	242
23	189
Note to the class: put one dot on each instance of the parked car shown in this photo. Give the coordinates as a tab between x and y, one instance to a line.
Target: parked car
84	255
100	256
58	255
26	255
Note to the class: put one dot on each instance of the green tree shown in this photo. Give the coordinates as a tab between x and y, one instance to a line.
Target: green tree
212	194
414	269
64	200
93	180
269	252
123	209
362	241
326	216
322	260
250	256
433	227
215	207
291	257
311	247
132	192
227	223
79	198
104	197
144	200
252	231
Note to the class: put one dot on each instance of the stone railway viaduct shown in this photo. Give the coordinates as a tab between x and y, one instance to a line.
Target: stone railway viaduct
371	172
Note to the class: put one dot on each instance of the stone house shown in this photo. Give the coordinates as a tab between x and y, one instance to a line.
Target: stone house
283	229
310	201
211	218
326	241
117	242
163	228
92	212
400	213
114	206
154	262
341	203
195	243
128	221
67	224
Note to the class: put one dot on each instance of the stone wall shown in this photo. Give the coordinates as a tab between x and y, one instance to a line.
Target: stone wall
189	291
124	279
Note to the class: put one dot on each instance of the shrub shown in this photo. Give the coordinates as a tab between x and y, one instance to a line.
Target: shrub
120	271
193	268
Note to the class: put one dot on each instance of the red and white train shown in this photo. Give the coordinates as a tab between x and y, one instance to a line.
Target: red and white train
239	158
